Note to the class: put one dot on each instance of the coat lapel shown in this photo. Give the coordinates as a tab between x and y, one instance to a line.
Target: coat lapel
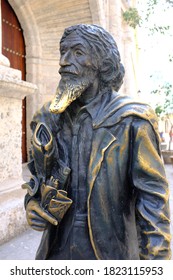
102	139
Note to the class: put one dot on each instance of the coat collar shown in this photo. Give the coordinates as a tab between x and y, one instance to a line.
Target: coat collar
94	107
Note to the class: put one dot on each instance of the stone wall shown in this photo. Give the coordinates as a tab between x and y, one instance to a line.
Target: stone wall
12	212
12	91
10	133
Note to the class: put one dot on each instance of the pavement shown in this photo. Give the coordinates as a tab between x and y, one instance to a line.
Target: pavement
24	247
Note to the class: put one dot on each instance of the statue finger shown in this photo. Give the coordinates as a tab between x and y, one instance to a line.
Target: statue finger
38	228
48	217
33	215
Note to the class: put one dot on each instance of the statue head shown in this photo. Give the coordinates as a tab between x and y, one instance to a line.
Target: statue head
89	63
105	55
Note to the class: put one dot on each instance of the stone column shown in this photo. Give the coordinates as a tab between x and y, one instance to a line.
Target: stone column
115	20
130	62
12	91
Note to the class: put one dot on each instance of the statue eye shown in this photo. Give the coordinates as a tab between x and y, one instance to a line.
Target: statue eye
62	52
78	52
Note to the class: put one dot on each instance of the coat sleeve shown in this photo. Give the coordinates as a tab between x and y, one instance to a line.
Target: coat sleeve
151	186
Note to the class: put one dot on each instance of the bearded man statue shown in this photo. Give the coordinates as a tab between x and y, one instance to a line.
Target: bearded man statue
98	188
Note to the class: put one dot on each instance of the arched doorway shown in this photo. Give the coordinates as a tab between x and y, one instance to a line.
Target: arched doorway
13	47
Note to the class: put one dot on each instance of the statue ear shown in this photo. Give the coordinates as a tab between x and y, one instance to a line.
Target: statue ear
108	71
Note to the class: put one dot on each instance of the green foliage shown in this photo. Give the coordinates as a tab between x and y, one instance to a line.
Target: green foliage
158	110
165	93
170	58
151	4
132	17
160	29
170	2
151	9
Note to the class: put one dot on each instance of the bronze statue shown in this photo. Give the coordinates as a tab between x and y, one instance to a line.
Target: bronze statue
98	188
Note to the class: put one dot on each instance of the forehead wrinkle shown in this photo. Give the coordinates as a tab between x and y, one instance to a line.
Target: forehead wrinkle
75	40
73	45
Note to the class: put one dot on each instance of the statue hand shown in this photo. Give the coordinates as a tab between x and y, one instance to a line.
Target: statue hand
59	205
37	218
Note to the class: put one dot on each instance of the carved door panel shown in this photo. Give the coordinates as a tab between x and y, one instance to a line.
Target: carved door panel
13	47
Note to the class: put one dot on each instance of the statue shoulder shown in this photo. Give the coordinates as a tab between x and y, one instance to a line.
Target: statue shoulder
120	107
130	105
43	115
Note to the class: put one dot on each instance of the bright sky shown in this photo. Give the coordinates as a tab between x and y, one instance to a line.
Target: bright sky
155	50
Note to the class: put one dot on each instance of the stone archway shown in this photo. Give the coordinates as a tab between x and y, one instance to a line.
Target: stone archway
31	34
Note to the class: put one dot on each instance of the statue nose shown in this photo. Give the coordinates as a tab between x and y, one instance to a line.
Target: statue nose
65	59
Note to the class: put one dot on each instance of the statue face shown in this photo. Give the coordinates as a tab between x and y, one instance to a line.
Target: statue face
79	77
76	59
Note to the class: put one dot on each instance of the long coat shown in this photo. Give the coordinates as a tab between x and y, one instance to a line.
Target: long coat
128	201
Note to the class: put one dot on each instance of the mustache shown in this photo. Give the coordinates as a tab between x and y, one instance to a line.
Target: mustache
68	70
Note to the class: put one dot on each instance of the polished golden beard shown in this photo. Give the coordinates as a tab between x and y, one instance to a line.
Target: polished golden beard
66	93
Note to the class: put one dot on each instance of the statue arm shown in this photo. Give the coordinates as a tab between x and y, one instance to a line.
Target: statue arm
152	205
47	187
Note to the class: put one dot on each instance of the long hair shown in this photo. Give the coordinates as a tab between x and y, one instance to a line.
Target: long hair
106	57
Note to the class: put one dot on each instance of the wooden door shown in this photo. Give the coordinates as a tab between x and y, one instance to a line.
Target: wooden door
13	47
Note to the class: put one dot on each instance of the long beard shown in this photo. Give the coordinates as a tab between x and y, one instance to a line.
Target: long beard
66	93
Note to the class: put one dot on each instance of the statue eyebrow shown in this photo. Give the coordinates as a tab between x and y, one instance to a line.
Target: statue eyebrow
64	46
